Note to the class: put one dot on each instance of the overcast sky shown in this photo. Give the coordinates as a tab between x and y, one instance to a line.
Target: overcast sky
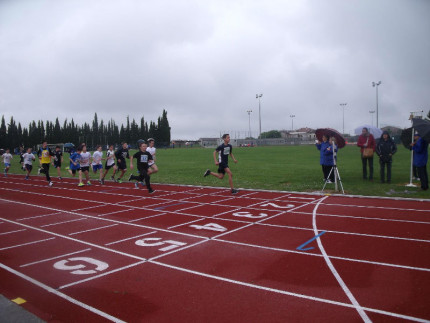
205	61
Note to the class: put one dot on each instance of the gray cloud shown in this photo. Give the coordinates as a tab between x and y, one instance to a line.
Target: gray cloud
204	62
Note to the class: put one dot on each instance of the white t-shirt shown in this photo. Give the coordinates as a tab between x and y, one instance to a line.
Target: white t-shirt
151	150
6	158
110	158
28	159
97	157
85	159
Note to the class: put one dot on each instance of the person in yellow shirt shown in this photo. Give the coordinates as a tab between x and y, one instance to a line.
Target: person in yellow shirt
45	156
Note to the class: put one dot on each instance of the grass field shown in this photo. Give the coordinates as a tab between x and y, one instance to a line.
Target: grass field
286	168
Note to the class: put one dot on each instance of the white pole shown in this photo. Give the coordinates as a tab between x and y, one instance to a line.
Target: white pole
412	163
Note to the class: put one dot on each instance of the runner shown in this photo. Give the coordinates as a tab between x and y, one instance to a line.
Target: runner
110	163
152	150
224	150
45	156
58	160
97	162
75	166
85	165
121	160
28	158
143	158
7	161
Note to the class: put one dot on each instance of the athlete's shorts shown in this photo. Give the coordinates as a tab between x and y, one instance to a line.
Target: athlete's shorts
221	168
57	164
75	170
6	164
122	166
97	167
28	167
109	166
85	169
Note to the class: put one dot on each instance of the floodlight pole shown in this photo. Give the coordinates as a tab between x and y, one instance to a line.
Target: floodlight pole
292	116
377	84
258	96
372	112
249	121
343	105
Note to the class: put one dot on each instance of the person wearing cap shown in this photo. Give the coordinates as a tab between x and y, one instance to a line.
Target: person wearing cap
385	149
420	148
366	140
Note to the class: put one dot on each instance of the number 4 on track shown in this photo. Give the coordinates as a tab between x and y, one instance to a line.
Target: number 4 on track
210	227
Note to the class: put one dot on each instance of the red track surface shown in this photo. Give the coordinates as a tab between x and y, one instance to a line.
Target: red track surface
195	254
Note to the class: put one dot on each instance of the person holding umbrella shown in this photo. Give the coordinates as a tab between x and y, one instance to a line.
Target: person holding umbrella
420	148
367	144
326	160
385	149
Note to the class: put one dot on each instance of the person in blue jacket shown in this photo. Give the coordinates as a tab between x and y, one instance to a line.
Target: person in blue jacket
420	148
326	158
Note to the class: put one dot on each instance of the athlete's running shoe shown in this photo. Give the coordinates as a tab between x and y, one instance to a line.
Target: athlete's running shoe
207	173
151	191
136	185
50	183
233	191
119	180
81	184
88	183
113	178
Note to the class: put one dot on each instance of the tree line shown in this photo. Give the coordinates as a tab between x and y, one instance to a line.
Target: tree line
13	135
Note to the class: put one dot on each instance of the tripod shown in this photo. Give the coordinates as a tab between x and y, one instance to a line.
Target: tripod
334	170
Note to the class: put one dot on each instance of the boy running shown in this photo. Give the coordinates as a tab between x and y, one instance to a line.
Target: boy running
75	165
45	155
58	160
121	160
97	162
152	150
224	150
143	158
28	158
85	165
7	160
110	163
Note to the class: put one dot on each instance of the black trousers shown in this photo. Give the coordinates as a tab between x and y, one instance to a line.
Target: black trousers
366	161
383	164
326	170
143	175
422	173
45	170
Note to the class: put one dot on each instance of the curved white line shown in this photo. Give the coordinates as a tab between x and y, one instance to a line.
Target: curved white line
342	284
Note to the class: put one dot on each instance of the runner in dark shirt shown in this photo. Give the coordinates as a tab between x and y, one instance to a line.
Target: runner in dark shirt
143	158
121	160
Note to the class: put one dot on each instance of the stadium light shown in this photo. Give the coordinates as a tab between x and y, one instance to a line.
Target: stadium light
343	105
377	84
292	116
258	96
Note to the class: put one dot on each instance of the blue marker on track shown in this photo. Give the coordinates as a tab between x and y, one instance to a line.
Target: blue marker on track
309	241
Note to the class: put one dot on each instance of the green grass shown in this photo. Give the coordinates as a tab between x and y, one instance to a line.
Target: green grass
286	168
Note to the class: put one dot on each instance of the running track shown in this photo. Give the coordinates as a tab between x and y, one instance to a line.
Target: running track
198	254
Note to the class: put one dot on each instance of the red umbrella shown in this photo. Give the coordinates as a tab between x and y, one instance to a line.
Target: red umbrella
340	141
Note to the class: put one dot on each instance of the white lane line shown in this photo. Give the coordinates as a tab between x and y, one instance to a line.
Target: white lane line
49	259
62	222
101	275
282	292
62	295
94	229
26	244
339	279
9	232
126	239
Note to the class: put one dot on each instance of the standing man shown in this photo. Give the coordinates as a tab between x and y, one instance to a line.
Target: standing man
385	149
121	159
45	155
367	144
420	148
223	151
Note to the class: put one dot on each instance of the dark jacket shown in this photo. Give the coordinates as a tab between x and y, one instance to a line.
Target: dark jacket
386	148
420	153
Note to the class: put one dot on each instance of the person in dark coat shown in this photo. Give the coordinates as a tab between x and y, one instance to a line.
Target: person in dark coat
385	149
420	148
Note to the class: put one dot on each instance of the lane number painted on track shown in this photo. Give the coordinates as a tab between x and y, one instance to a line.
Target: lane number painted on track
288	206
210	227
78	269
249	215
171	243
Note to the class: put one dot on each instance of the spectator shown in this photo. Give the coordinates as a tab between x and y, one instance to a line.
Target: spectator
366	142
420	148
385	149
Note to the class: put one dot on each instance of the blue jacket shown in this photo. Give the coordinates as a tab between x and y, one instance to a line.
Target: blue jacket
420	153
326	157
